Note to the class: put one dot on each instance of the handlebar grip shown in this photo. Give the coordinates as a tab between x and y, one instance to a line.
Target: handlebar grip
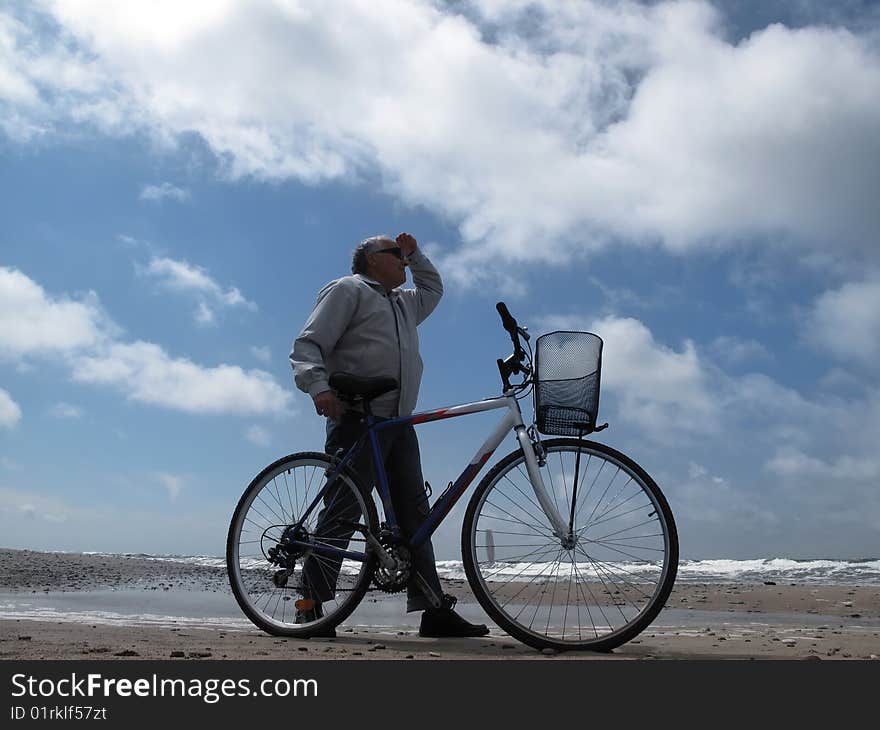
506	318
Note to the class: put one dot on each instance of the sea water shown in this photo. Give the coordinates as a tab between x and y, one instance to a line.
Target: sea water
861	572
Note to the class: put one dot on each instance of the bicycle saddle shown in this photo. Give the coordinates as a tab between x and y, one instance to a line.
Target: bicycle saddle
354	386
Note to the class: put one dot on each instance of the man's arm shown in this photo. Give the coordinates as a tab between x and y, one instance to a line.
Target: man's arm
428	284
328	321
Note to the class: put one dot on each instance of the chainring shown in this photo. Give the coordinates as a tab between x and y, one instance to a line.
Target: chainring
395	579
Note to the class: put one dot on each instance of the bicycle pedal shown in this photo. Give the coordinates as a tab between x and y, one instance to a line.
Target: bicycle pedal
279	578
305	604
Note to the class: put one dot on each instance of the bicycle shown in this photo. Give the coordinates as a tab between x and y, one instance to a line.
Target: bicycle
586	563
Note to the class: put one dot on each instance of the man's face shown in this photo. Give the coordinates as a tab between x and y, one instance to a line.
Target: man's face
387	266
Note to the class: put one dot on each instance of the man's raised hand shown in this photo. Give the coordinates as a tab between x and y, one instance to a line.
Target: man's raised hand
407	243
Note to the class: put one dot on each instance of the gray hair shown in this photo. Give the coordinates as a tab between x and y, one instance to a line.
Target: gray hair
368	245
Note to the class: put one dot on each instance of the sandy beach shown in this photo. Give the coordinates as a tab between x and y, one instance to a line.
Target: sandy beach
75	606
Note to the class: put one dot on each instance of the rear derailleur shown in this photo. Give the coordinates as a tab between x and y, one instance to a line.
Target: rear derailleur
286	552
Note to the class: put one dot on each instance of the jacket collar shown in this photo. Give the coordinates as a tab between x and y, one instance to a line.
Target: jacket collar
373	283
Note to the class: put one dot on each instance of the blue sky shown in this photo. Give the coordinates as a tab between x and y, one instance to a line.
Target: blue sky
695	183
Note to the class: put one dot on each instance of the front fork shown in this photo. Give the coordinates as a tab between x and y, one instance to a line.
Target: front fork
529	449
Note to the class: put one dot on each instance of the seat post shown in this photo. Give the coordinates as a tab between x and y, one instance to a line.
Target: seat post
368	412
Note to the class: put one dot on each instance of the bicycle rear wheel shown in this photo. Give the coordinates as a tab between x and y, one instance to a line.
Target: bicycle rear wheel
267	577
594	594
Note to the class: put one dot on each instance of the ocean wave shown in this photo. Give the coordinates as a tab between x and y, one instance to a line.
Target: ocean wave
716	570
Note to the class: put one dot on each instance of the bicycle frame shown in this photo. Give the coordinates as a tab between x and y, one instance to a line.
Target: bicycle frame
512	421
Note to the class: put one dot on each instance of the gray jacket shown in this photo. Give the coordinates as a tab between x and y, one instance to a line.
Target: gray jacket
357	328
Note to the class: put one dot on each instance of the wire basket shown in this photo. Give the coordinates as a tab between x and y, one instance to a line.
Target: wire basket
567	368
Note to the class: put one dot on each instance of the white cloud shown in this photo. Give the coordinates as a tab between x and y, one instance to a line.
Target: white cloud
794	463
663	390
747	463
165	191
204	315
258	436
661	385
846	322
839	489
10	411
627	120
35	323
172	483
65	410
184	277
709	499
146	373
767	453
32	71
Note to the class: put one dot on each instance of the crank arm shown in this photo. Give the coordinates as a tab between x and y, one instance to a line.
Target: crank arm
384	558
427	590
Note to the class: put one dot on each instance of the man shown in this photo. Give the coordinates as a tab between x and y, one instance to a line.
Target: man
365	324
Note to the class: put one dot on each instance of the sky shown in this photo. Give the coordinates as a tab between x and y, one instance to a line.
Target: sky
694	181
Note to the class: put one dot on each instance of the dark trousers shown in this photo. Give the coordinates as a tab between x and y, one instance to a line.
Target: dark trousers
403	466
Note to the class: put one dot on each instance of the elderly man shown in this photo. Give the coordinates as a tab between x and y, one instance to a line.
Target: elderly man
366	324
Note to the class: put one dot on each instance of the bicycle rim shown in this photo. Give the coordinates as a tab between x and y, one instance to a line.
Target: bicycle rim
276	499
595	594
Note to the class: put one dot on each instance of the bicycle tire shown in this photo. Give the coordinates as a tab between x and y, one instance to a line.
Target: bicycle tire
604	588
251	573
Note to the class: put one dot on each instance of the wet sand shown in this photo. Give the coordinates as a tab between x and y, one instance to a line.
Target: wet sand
700	621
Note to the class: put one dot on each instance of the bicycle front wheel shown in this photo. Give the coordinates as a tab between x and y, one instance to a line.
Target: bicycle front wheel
595	591
276	572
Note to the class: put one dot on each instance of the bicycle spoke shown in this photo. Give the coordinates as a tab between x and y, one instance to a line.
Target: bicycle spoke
596	603
520	507
278	518
541	599
553	594
274	504
293	511
520	522
609	571
612	506
545	551
519	559
567	602
494	519
624	529
532	580
593	587
524	494
620	515
274	493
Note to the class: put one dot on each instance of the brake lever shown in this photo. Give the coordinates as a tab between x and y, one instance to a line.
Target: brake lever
524	332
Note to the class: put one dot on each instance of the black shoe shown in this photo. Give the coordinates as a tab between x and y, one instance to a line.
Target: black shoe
442	623
308	614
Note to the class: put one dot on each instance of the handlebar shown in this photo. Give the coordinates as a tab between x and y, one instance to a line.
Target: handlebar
513	329
507	319
514	364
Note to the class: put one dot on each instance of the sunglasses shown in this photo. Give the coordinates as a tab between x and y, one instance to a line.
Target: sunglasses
394	251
